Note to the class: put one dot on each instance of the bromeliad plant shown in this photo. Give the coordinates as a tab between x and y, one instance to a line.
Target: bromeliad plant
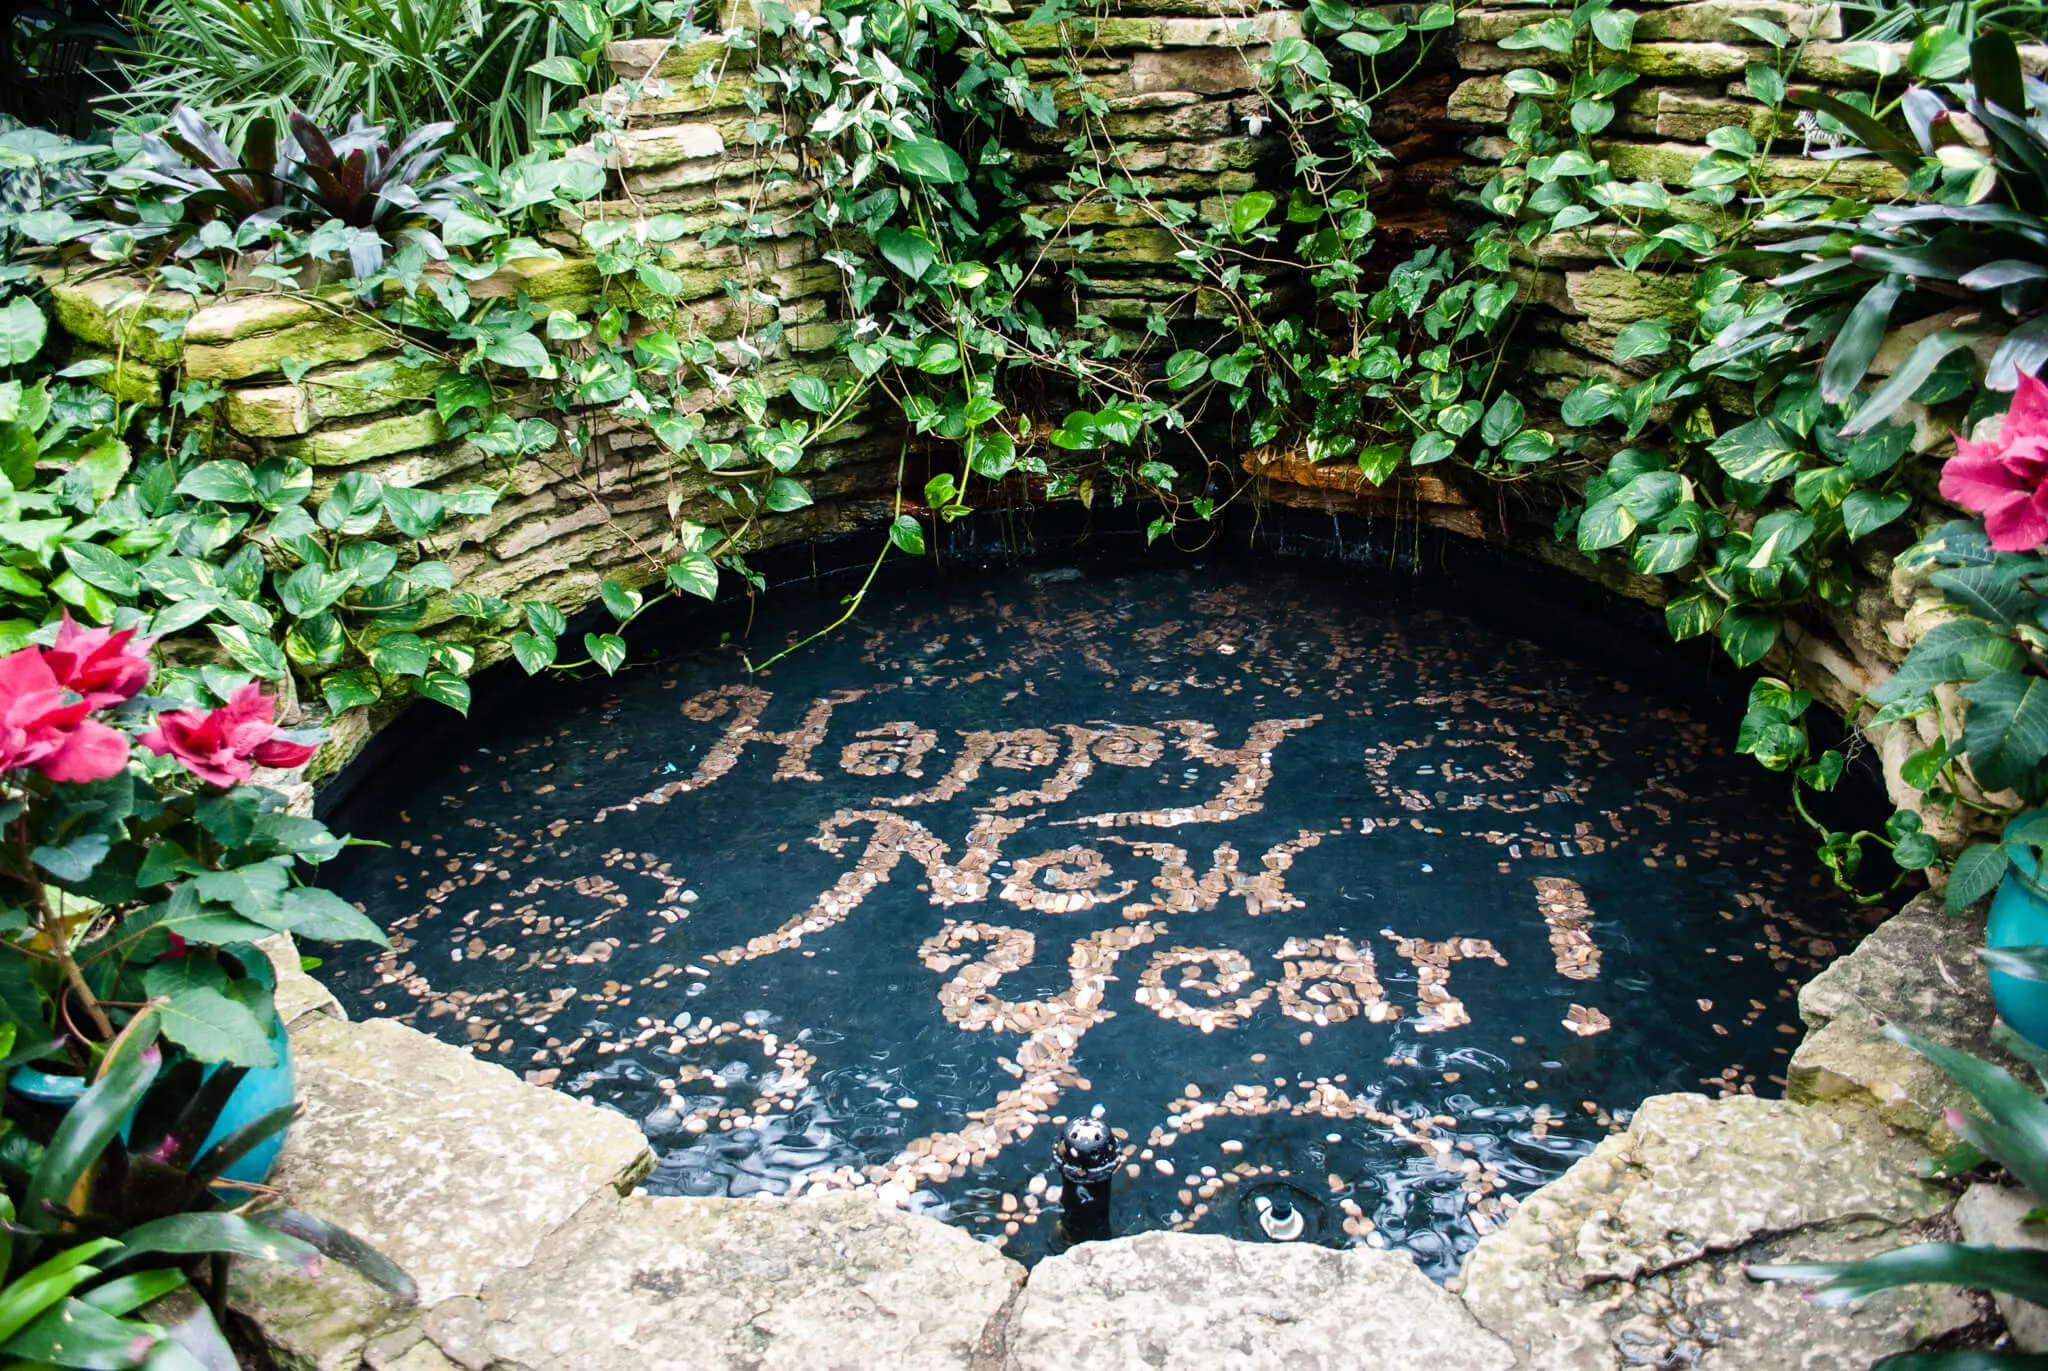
106	1214
1978	153
190	191
138	865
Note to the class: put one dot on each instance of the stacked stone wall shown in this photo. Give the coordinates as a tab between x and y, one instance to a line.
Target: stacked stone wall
316	378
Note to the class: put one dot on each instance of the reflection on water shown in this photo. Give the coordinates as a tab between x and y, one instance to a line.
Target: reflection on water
1323	891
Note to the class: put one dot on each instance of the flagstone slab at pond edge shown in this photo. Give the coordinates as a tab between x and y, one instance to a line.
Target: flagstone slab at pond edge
1171	1300
1636	1256
684	1284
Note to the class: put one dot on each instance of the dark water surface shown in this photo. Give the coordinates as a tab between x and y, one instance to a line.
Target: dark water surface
1307	878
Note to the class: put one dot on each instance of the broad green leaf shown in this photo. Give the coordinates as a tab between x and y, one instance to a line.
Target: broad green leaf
910	253
1866	511
209	1025
785	494
1614	28
608	650
696	574
533	652
1747	633
908	535
97	566
1249	211
621	602
927	159
415	513
812	392
1185	368
22	330
348	690
226	482
1643	338
313	912
518	350
1758	451
2010	1270
1977	874
1856	344
2005	732
86	1130
1939	54
567	70
400	654
444	688
1502	420
1232	368
77	1334
1691	616
1994	593
217	1231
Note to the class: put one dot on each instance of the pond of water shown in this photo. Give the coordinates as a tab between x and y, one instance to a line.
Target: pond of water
1315	884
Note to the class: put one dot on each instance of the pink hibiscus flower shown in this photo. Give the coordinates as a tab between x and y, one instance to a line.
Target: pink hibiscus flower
2005	479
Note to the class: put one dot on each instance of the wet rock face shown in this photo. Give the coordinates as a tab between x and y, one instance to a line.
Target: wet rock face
1918	970
1172	1300
1637	1256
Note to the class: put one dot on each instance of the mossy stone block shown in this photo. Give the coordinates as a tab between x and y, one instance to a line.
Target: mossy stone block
1084	34
337	447
115	314
268	411
318	340
1480	100
344	392
571	283
1672	163
1121	245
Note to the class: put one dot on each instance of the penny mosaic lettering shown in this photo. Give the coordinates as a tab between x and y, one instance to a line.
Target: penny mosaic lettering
1356	895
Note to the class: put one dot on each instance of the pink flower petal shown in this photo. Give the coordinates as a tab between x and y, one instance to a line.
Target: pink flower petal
90	752
2016	524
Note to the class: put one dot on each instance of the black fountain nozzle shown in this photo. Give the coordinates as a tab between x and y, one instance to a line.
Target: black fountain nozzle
1280	1220
1087	1154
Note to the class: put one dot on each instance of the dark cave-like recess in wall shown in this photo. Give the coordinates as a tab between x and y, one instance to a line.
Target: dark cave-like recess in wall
1310	876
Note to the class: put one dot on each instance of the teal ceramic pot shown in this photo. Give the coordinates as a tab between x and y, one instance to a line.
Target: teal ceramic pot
2019	918
264	1089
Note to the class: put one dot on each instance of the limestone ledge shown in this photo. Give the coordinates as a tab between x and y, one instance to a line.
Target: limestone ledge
250	334
1709	61
1636	1255
1918	970
1704	21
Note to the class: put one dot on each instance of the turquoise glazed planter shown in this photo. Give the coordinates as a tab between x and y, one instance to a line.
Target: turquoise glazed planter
2019	918
264	1089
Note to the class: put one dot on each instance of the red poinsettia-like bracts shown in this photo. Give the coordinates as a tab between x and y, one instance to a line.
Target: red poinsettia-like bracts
103	666
222	747
2005	479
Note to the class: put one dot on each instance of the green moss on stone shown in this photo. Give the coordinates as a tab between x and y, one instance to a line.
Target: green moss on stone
378	438
114	314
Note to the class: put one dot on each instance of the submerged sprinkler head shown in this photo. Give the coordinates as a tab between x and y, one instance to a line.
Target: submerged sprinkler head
1279	1219
1087	1151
